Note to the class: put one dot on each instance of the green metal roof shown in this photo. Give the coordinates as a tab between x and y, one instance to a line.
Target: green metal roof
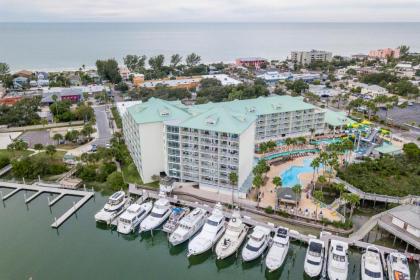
220	118
158	110
337	118
386	148
231	117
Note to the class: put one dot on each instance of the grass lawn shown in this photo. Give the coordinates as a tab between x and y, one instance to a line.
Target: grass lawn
131	175
117	117
154	184
14	154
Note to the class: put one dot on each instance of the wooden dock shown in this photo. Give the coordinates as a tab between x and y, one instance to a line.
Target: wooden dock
49	189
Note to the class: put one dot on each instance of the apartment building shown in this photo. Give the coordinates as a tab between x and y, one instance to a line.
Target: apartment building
385	53
307	57
205	143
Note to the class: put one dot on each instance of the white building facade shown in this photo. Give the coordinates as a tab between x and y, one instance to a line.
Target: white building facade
307	57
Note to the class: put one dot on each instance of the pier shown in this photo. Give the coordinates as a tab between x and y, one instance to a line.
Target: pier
49	188
325	236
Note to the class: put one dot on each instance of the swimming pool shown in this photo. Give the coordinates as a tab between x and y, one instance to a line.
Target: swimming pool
327	141
289	153
290	176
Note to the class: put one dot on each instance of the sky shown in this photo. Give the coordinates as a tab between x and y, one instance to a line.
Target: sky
209	10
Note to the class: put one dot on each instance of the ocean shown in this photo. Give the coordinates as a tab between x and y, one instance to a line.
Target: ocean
49	46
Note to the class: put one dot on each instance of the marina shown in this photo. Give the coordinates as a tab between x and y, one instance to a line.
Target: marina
52	190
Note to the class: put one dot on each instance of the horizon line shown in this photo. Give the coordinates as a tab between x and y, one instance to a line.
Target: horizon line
213	22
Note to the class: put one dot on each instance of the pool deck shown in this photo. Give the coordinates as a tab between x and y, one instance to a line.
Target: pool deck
269	193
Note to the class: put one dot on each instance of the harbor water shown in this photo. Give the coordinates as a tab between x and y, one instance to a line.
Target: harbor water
81	249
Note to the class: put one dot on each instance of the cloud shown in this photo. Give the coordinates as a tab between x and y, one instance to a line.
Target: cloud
210	10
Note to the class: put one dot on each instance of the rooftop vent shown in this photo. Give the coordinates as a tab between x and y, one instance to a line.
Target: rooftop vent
251	109
164	112
211	121
277	106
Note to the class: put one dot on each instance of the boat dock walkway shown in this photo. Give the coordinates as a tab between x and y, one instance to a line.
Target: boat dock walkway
86	195
326	236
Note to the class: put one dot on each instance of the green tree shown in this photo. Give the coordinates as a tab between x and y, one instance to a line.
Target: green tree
192	60
315	164
115	181
257	181
277	181
404	51
50	150
340	187
4	71
175	60
353	200
156	63
319	196
58	137
38	146
412	151
108	70
297	189
135	63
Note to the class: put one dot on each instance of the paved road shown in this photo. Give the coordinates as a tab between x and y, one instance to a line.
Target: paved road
103	126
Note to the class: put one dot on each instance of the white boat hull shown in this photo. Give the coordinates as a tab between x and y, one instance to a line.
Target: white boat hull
275	257
222	252
149	225
175	241
194	250
247	256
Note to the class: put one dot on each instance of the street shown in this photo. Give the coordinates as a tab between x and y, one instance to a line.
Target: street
102	125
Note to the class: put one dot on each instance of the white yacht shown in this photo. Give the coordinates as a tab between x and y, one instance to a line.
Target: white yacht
177	214
256	244
132	217
397	267
371	266
113	207
314	257
188	226
278	250
211	232
338	260
235	234
160	213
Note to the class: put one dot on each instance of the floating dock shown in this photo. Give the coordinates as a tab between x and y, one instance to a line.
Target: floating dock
86	195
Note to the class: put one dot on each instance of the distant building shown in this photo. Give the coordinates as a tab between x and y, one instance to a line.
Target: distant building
20	82
72	94
272	77
307	77
223	78
372	90
180	82
138	79
10	101
252	62
24	73
305	57
323	91
385	53
125	73
42	75
360	56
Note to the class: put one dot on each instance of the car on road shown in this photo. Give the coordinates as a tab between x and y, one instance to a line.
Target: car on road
94	148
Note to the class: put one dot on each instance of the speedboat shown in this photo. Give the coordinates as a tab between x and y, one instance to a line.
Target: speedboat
177	214
371	266
188	226
256	244
210	233
397	267
338	260
113	207
159	214
314	257
278	250
235	234
132	217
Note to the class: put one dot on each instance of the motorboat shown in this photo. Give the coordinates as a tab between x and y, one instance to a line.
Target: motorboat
132	217
314	257
338	260
177	214
371	265
235	234
278	249
212	230
397	266
257	243
159	214
115	205
188	226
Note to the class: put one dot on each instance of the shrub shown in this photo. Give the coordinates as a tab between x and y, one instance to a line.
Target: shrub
269	210
4	160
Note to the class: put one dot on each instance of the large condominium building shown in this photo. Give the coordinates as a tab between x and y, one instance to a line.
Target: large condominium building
205	143
304	57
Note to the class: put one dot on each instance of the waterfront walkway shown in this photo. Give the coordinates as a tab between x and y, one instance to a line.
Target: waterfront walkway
40	188
409	199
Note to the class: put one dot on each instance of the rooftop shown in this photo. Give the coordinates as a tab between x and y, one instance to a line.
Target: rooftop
337	118
407	213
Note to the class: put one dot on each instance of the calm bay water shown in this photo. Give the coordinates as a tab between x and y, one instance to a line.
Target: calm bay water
70	45
82	250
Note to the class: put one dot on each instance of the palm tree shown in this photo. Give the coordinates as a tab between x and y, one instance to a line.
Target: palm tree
315	165
297	189
277	181
319	196
353	199
57	137
340	188
322	181
312	130
233	178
